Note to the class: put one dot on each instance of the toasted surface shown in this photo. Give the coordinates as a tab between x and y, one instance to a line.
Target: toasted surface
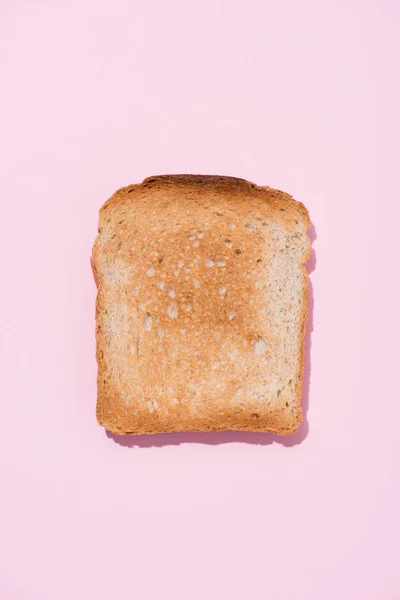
201	306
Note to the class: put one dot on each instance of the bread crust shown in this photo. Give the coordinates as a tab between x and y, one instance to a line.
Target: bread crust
156	370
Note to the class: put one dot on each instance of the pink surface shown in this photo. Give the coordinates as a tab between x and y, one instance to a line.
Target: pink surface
303	96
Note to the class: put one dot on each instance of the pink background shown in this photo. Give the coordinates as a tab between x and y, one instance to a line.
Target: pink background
299	95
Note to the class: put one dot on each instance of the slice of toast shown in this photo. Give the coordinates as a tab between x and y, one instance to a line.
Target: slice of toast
201	306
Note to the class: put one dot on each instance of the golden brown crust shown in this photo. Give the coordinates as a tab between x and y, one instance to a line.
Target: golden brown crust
144	236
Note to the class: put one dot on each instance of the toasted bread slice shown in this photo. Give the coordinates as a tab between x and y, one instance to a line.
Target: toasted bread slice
201	306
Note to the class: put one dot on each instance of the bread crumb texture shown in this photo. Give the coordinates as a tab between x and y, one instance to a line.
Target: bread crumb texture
201	306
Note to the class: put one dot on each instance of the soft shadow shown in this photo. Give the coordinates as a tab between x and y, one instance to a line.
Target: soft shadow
214	438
